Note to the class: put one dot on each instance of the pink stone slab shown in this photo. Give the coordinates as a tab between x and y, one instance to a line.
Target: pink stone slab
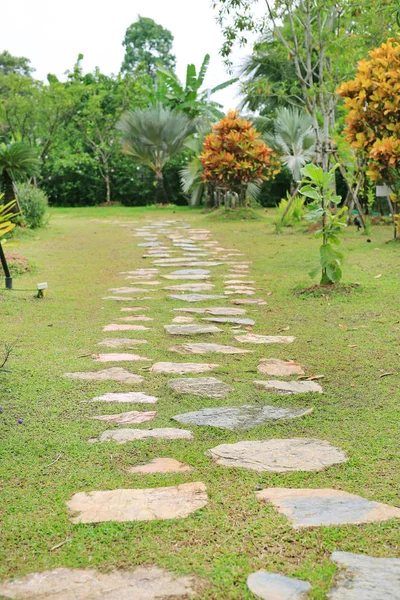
120	342
117	357
120	327
119	298
248	301
253	338
126	397
182	368
128	418
136	318
138	505
135	309
127	290
160	465
279	368
113	374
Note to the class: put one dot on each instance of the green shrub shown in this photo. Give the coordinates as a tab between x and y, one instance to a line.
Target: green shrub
295	212
33	202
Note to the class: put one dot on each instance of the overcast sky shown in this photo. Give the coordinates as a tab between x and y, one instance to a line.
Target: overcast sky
52	33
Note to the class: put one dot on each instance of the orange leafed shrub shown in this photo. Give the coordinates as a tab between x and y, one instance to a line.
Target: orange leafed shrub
234	156
373	101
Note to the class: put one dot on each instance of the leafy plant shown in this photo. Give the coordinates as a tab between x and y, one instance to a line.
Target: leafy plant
294	214
234	156
33	203
319	187
6	214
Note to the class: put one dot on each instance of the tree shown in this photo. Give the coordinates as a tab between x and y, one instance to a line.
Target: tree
373	122
17	161
147	46
154	136
14	64
234	156
191	175
322	38
189	98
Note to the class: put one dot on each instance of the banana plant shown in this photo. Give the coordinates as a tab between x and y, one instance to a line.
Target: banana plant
189	97
319	187
6	213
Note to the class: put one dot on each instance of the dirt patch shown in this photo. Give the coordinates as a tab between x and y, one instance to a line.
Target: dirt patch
327	290
17	264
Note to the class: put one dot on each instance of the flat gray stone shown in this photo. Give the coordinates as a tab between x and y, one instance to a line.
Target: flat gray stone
239	417
122	436
253	338
273	586
279	455
118	357
189	274
215	310
195	297
119	298
189	262
128	418
145	583
120	397
134	308
182	368
207	349
208	387
121	342
279	368
289	387
192	329
113	374
180	319
191	287
160	465
150	504
132	318
128	290
326	507
233	320
365	577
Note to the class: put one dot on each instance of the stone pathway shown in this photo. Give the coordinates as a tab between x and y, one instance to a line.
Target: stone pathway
196	263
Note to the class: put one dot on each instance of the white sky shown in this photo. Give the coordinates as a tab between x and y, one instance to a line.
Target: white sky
52	33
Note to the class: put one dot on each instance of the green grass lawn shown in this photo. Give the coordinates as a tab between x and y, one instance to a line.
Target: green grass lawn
351	339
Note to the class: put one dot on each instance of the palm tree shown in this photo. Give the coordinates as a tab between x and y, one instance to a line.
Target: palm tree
17	161
293	139
191	175
154	136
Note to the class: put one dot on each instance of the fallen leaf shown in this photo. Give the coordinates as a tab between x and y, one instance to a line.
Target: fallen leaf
284	328
385	374
352	345
59	545
352	385
315	377
269	293
342	326
377	276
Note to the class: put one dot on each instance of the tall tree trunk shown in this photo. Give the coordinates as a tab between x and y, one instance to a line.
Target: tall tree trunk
9	192
161	194
108	188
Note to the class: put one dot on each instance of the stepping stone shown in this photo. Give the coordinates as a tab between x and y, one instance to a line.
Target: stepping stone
239	281
183	320
136	318
120	397
160	465
325	507
120	342
157	255
122	436
149	244
191	329
213	311
187	277
279	456
195	297
280	368
114	357
122	327
246	287
273	586
134	309
113	374
149	504
207	387
144	282
289	387
188	263
241	292
248	301
239	417
230	320
365	578
191	287
145	583
207	349
253	338
119	298
128	290
182	368
128	418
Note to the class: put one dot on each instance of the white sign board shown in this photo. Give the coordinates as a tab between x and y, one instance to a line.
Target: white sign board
383	190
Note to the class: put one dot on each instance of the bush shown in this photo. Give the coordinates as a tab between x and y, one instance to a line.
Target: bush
33	202
295	212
